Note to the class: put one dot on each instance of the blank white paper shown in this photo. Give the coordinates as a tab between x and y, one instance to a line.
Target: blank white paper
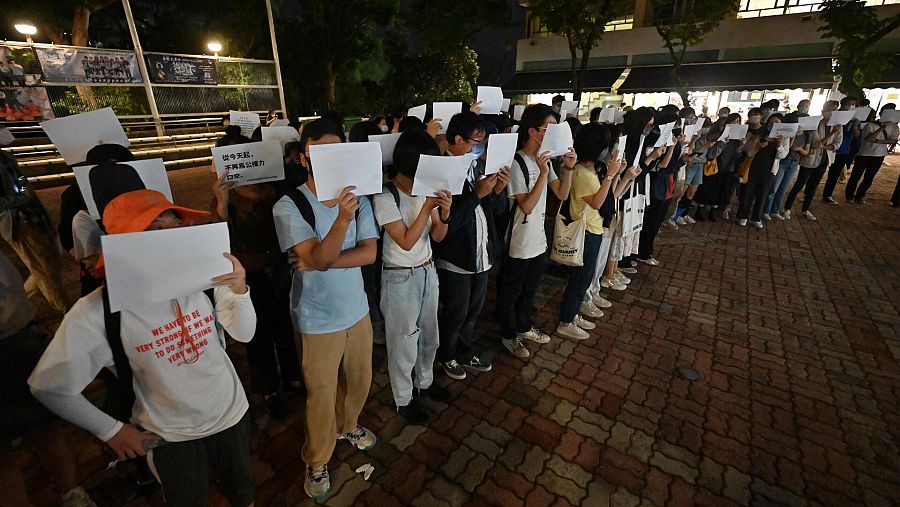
500	152
557	139
444	111
336	166
75	135
435	173
387	142
491	98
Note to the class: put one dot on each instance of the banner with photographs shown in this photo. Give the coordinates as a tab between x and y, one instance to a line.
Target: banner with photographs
18	67
69	65
29	103
181	70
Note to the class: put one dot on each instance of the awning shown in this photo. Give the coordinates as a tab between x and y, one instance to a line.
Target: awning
560	81
890	78
736	76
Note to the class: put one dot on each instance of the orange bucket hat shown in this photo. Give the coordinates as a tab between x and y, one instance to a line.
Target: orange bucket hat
134	211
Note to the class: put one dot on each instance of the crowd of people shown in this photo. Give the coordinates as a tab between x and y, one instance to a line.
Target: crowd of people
317	284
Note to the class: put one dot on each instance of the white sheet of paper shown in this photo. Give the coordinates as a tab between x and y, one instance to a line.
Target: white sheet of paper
689	131
148	267
568	107
500	152
840	118
862	113
738	132
518	109
637	156
725	133
387	142
281	134
835	95
336	166
247	121
514	129
436	173
444	111
607	115
281	122
250	163
75	135
505	106
810	122
418	112
621	147
557	139
151	171
891	115
491	98
665	134
620	117
786	130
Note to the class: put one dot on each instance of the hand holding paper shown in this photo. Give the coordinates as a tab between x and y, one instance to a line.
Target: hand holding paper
246	120
491	98
785	130
557	139
810	122
444	111
250	163
500	152
840	118
665	134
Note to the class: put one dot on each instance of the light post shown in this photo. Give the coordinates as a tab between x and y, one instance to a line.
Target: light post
215	47
27	29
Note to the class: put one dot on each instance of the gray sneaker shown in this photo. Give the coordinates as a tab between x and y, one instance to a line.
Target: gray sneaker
572	331
454	370
516	347
536	335
76	497
317	482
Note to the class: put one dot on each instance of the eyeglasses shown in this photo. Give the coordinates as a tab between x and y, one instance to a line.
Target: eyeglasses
476	141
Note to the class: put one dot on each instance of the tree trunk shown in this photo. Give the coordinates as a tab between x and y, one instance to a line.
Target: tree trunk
331	77
576	85
848	85
582	70
80	25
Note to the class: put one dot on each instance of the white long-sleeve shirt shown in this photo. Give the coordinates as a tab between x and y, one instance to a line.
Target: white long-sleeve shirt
179	396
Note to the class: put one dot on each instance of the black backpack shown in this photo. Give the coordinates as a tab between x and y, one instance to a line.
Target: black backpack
124	384
303	205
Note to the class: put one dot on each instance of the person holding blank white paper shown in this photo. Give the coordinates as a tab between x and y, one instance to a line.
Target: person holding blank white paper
331	240
878	136
526	257
813	166
190	410
469	250
409	283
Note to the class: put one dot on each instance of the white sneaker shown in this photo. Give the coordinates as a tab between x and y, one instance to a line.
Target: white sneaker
590	309
620	278
787	215
629	271
742	222
777	216
76	497
670	223
650	262
584	323
516	347
536	335
600	301
758	225
681	221
809	215
767	217
361	438
572	331
689	219
317	482
609	283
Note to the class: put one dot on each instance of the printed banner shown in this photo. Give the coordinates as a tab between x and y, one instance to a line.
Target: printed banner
181	70
18	67
25	104
69	65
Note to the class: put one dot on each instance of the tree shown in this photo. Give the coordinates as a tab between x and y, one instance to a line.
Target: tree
683	24
582	22
340	34
858	30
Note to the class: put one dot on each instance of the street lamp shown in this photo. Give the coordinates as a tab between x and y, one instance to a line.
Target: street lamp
215	47
27	29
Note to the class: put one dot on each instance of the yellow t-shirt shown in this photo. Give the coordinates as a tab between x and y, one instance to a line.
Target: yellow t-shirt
585	182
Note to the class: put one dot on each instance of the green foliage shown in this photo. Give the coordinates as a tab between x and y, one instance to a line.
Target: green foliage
125	100
451	25
857	28
431	77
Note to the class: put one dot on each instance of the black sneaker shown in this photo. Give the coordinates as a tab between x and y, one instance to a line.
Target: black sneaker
413	413
454	370
436	392
477	365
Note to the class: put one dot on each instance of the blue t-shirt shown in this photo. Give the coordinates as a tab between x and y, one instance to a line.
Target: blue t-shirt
324	301
844	148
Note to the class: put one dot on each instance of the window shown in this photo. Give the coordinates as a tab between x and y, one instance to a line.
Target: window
760	8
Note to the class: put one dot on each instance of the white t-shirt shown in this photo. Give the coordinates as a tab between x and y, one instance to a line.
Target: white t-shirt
868	149
386	212
175	399
528	238
85	235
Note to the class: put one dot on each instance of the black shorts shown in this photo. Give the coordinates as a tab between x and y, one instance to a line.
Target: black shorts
183	467
20	412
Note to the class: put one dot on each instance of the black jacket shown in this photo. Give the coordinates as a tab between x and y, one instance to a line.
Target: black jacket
460	244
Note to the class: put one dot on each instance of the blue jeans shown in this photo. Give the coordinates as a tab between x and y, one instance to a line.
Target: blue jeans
787	171
580	278
409	301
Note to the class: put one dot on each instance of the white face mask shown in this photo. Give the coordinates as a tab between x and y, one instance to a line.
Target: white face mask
803	109
383	128
755	119
6	137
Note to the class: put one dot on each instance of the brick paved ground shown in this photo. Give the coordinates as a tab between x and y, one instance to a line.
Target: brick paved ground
794	327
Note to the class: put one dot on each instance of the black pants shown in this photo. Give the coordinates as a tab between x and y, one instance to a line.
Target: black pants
273	343
834	173
461	298
865	168
754	194
517	283
808	179
654	216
